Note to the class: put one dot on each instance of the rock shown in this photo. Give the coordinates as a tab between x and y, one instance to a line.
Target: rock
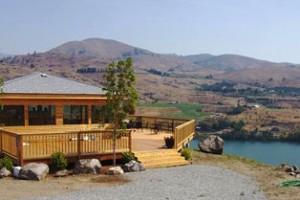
294	168
291	173
87	166
61	173
212	144
284	167
4	172
115	171
298	176
133	166
16	171
34	171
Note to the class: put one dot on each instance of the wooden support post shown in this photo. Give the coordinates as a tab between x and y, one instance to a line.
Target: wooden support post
89	114
79	145
20	149
26	115
130	141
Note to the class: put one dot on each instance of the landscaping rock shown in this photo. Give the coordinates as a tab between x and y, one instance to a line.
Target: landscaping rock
4	172
87	166
61	173
34	171
115	171
133	166
16	171
212	144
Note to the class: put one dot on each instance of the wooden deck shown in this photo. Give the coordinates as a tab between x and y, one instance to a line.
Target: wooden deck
145	140
38	143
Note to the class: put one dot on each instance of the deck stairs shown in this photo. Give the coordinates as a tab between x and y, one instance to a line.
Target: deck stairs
160	158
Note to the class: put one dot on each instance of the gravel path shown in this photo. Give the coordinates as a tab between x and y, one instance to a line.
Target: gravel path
188	182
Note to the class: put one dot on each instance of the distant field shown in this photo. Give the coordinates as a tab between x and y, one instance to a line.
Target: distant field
190	111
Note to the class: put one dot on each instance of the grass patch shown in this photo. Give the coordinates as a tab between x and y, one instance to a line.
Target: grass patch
189	111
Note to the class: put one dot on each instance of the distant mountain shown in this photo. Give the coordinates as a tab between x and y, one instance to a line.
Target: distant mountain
94	47
230	62
175	76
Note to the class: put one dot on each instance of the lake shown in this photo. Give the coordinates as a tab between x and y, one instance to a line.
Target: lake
273	152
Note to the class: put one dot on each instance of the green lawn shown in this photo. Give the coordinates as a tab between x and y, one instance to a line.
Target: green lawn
189	111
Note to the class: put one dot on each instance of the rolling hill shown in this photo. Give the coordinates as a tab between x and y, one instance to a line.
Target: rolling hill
182	73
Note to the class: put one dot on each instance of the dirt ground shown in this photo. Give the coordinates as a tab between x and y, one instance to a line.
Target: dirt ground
14	189
268	179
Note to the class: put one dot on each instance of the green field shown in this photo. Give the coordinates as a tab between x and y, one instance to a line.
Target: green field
189	111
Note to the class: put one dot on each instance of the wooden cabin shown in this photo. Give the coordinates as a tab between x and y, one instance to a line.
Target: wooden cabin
42	99
44	114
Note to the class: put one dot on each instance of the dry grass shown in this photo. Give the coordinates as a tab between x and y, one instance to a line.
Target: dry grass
268	177
287	119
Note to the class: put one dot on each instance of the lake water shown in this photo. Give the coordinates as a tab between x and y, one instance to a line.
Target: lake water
273	153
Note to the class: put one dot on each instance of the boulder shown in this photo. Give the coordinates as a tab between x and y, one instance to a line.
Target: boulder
284	167
212	144
115	171
4	172
34	171
16	171
133	166
87	166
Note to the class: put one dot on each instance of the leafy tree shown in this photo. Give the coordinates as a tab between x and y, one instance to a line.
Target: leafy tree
122	95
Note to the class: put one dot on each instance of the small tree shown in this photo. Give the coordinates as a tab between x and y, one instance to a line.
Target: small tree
122	95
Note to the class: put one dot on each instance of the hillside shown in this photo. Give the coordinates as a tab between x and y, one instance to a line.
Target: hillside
162	77
230	62
100	48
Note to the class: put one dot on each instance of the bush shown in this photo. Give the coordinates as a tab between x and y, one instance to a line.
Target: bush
6	162
127	156
186	153
58	161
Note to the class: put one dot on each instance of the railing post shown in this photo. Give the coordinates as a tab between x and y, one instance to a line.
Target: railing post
130	141
20	149
78	145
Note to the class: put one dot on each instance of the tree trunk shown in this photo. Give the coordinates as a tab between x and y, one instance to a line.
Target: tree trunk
114	139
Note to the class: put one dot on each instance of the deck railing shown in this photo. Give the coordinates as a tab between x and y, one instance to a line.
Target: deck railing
183	134
28	143
73	144
183	129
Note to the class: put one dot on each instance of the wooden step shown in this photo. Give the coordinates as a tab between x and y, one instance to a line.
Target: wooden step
161	158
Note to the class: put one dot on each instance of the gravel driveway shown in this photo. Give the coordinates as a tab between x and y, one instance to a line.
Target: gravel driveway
188	182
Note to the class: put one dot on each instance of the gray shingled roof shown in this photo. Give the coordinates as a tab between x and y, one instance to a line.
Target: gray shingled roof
40	83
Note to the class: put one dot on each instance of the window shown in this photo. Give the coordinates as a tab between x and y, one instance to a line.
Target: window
97	114
12	116
41	115
75	114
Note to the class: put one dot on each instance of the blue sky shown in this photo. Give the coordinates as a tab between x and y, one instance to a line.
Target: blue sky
264	29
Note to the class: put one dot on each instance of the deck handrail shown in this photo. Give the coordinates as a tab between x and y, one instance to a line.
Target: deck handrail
22	147
183	129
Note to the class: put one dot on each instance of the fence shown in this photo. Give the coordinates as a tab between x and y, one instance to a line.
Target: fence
73	144
26	143
183	129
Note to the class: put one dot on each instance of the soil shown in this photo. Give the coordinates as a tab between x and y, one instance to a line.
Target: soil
11	188
268	179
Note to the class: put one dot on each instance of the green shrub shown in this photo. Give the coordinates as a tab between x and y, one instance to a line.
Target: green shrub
127	156
186	153
58	161
6	162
